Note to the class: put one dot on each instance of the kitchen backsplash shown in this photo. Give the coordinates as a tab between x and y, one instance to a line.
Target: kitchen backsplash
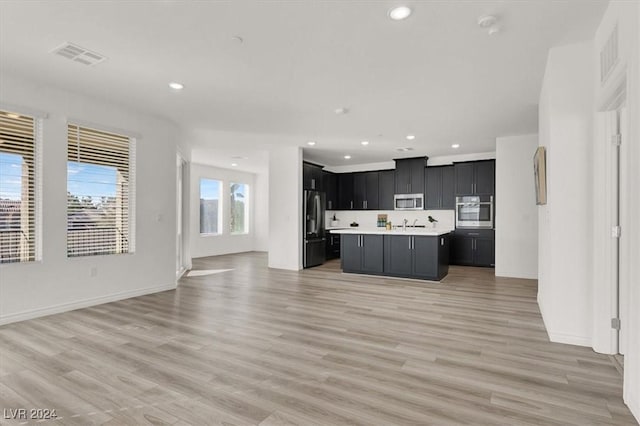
368	218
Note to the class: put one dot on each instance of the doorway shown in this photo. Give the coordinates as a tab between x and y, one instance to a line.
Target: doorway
180	257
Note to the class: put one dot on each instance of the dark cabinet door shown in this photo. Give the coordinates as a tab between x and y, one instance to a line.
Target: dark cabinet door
485	177
386	189
345	191
307	171
359	191
425	257
330	184
311	176
371	184
372	253
433	188
402	178
464	178
333	246
462	252
350	254
484	252
448	188
397	254
417	168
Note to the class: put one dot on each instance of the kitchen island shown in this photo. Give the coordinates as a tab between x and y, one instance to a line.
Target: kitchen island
420	253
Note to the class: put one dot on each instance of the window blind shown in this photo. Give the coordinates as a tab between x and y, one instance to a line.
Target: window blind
99	192
18	189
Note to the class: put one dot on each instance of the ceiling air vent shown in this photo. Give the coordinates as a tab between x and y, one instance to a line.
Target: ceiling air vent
609	55
78	54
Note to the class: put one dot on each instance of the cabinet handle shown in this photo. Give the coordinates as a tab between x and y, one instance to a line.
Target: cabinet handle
474	233
351	205
330	205
442	242
409	243
313	184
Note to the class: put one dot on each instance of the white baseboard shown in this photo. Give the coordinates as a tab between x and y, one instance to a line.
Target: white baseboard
65	307
569	339
558	337
633	403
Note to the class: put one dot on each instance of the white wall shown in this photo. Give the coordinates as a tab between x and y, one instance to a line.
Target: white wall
285	208
626	15
57	283
566	111
516	212
432	161
261	219
225	242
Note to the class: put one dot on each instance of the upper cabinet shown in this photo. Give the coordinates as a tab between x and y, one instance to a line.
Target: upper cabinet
409	175
345	192
440	188
312	177
365	190
330	186
475	178
386	189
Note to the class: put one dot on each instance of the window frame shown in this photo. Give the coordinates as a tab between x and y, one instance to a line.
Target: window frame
220	213
34	210
247	208
130	235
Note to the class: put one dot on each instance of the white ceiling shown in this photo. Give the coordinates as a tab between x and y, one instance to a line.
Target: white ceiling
436	75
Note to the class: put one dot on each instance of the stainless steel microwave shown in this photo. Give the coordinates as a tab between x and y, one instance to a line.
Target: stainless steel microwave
474	211
408	202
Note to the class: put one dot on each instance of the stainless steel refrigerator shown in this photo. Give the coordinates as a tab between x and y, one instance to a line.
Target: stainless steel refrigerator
314	236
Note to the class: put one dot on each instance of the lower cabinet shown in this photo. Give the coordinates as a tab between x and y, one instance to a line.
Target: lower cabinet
333	246
473	247
415	256
362	253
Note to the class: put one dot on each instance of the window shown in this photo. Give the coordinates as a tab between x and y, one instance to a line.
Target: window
18	189
100	171
210	218
239	193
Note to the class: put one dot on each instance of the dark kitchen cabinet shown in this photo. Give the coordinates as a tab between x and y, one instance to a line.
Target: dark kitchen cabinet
440	188
386	189
409	175
365	190
312	177
475	178
473	247
333	246
330	185
345	191
416	256
362	253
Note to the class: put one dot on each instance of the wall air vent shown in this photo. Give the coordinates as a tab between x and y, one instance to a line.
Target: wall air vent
78	54
609	56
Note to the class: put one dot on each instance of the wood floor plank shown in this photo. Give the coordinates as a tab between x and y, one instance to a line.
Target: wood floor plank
258	346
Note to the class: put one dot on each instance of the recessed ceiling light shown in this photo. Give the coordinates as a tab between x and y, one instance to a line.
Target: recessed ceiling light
411	137
234	164
404	149
13	115
311	143
237	39
399	13
176	86
239	157
493	30
455	146
347	157
365	143
341	111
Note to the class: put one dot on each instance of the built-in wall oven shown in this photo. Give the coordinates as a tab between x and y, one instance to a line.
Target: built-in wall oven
474	211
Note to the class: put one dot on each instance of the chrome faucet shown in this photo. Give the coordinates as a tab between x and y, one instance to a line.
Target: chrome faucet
414	222
404	224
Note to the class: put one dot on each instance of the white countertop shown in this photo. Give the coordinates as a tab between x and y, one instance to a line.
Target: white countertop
398	231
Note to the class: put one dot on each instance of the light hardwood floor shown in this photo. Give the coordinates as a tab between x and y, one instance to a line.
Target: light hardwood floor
269	347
